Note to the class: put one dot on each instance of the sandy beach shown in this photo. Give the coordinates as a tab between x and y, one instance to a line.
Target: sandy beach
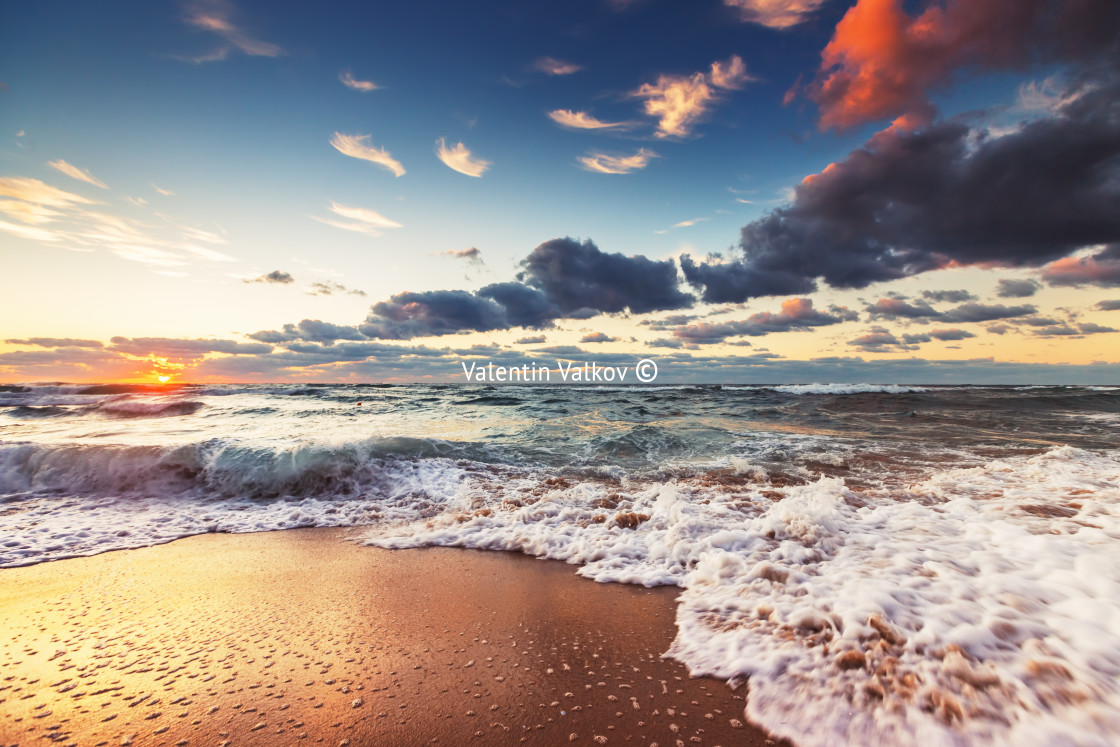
301	635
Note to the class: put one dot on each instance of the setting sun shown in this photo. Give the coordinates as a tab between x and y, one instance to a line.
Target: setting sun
163	379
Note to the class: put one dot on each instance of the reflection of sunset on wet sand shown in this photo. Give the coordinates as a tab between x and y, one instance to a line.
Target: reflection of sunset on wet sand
284	637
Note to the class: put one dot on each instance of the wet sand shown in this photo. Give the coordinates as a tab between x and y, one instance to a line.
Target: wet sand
303	637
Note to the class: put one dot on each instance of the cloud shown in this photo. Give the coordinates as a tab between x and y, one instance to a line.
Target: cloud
309	330
459	158
277	277
946	335
881	61
796	314
214	16
329	288
561	278
894	308
38	193
167	347
1101	269
598	337
878	340
471	254
690	222
949	296
348	80
553	66
1066	330
777	14
1011	288
583	121
532	340
74	172
355	146
615	164
680	102
56	342
978	312
162	191
909	202
1109	305
362	220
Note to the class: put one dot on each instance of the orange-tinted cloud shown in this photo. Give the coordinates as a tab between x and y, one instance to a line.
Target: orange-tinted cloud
882	61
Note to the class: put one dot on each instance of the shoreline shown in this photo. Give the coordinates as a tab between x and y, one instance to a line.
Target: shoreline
304	636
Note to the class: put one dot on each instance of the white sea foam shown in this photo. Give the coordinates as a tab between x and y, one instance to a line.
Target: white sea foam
983	606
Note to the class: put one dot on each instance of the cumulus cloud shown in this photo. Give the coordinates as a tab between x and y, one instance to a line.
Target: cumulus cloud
309	330
553	66
1071	330
1109	305
561	278
604	163
74	172
946	335
583	121
598	337
531	340
355	146
882	61
908	202
458	158
348	80
894	308
277	277
1013	288
679	102
777	14
215	16
978	312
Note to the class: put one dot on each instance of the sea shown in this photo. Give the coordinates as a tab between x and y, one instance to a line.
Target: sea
875	564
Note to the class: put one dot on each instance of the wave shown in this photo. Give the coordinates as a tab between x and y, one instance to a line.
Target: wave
847	389
139	409
42	411
976	607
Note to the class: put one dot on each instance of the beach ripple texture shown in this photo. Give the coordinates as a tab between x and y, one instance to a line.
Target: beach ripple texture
885	564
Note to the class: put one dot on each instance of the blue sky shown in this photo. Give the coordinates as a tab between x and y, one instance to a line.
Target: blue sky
192	144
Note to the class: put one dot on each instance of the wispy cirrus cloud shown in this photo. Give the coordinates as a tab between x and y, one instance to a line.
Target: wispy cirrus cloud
583	121
26	189
348	80
777	14
459	158
215	16
604	163
553	66
356	146
74	172
360	220
162	191
679	102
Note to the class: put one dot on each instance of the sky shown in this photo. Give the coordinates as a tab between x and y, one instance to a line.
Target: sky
752	191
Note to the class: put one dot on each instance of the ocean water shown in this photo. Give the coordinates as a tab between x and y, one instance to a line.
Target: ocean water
886	564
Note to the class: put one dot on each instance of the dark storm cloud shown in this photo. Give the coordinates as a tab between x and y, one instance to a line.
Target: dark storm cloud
276	276
56	342
908	202
560	279
579	276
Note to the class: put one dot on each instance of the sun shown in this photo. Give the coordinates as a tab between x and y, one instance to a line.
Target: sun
163	378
